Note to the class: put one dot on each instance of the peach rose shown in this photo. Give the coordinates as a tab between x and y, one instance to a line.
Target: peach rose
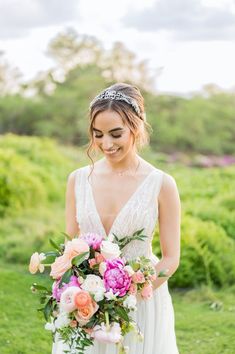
35	262
138	277
75	247
60	266
82	299
83	315
147	291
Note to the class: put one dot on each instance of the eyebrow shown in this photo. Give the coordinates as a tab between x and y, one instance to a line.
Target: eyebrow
112	130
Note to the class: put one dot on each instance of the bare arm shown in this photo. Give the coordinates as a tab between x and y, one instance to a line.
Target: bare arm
71	225
169	228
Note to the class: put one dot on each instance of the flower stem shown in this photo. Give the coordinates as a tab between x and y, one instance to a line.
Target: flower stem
107	320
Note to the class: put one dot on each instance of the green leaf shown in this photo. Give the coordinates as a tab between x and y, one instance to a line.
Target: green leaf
65	278
52	253
66	235
47	310
79	259
122	313
40	287
57	247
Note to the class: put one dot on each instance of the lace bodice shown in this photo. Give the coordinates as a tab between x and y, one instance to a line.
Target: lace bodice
140	211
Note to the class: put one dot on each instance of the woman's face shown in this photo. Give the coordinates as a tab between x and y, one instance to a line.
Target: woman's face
112	136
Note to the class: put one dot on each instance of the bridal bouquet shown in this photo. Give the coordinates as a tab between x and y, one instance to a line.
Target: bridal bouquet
94	289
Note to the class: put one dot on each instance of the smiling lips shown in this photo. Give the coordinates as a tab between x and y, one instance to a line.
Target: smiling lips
111	152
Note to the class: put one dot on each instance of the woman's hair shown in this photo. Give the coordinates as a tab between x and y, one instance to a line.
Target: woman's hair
137	124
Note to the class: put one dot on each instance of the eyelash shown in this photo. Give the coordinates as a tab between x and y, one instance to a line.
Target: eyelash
115	137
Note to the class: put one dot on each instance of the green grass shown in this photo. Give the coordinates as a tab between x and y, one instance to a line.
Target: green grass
205	321
199	328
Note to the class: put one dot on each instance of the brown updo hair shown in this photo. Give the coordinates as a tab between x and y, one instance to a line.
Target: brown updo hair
137	124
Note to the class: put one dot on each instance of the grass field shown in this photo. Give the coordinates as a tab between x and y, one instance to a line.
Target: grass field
205	319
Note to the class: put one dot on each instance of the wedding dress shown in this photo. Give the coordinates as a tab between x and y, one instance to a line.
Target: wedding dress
155	317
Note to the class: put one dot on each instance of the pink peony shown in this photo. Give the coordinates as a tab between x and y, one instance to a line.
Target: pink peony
92	239
56	291
116	278
147	291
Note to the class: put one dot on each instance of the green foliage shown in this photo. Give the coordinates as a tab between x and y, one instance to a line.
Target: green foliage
207	227
33	179
31	170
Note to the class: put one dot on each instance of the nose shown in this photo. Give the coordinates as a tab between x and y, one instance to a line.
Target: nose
107	143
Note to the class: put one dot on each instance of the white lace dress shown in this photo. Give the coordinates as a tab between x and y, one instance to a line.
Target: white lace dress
155	317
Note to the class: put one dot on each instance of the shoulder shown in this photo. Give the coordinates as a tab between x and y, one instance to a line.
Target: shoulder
168	186
72	176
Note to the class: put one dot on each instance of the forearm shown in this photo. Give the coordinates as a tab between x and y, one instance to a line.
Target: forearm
167	264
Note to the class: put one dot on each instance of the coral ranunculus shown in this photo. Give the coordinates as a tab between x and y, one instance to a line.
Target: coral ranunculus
35	262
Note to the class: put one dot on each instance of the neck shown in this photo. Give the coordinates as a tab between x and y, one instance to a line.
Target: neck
128	163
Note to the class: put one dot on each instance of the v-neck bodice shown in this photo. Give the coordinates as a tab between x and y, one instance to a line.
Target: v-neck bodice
140	211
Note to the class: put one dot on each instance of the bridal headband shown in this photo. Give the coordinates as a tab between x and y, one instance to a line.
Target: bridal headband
119	96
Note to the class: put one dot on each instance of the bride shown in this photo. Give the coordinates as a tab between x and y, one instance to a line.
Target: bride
121	193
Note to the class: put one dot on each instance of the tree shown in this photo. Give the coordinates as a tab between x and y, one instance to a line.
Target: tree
120	64
9	77
69	49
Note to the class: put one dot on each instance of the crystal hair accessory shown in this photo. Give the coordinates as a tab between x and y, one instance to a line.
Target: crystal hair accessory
119	96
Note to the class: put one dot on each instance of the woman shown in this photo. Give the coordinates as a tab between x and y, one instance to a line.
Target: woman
122	193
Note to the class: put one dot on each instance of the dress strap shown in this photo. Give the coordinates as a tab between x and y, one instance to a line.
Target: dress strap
80	192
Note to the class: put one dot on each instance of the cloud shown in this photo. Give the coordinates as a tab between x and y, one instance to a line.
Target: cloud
185	20
18	17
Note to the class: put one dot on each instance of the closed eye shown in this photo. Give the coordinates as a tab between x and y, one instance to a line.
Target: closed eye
114	136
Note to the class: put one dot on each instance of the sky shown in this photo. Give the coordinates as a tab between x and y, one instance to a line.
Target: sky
188	43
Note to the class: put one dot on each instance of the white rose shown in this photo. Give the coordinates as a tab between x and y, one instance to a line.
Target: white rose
130	302
99	295
49	326
93	283
110	250
110	238
62	320
129	270
67	303
110	295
